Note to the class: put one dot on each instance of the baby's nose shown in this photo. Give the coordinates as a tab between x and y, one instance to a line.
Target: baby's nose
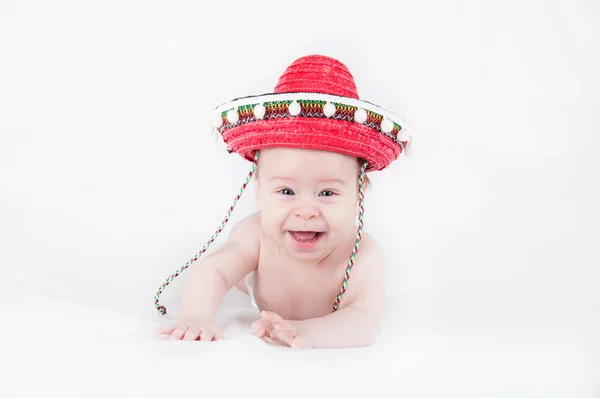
307	212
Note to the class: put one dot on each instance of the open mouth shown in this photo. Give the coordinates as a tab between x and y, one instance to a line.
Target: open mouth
306	240
306	236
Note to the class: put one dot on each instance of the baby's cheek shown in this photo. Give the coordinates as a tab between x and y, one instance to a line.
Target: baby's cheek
271	219
341	217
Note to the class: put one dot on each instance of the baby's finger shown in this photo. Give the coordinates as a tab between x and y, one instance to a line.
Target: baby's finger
261	332
285	328
297	343
285	336
279	338
279	326
178	333
257	324
271	316
219	335
265	323
168	329
192	333
286	331
206	335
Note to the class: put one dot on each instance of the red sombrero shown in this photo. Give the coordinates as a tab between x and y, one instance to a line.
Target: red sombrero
315	105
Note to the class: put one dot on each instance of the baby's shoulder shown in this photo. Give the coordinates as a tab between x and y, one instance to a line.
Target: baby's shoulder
249	224
370	259
247	233
367	278
369	249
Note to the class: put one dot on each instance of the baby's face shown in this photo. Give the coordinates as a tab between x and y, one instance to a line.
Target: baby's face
308	200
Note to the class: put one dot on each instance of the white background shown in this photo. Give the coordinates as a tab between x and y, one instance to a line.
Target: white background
109	183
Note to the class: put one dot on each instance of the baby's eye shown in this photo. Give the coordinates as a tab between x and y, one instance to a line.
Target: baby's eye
326	193
286	191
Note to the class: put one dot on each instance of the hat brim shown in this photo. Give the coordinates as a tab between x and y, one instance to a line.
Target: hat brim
314	121
339	136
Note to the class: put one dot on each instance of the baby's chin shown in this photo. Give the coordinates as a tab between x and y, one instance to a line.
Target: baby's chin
312	257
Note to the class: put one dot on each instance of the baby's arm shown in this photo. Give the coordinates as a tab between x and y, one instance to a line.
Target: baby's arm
209	281
357	322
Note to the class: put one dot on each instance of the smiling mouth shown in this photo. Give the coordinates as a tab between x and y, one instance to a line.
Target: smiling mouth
305	236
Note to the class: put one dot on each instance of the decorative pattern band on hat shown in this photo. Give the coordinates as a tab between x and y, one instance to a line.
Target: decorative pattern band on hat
314	105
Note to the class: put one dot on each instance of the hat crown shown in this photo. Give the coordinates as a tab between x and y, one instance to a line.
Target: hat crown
317	74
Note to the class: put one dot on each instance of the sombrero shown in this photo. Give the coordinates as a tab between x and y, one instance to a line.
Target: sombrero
315	105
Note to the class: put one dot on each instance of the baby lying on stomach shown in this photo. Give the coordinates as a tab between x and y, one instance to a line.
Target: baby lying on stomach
291	259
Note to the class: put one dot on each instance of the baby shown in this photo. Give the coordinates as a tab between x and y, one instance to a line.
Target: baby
295	256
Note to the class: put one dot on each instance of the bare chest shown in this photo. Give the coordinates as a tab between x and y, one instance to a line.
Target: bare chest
295	290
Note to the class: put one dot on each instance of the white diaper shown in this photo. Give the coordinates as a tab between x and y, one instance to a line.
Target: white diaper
249	280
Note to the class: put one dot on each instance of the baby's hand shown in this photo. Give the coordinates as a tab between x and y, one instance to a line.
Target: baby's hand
192	329
277	329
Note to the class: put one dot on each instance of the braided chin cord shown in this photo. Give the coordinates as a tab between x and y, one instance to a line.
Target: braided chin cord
361	191
361	215
162	309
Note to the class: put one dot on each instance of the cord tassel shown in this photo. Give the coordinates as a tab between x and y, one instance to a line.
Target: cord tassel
361	221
